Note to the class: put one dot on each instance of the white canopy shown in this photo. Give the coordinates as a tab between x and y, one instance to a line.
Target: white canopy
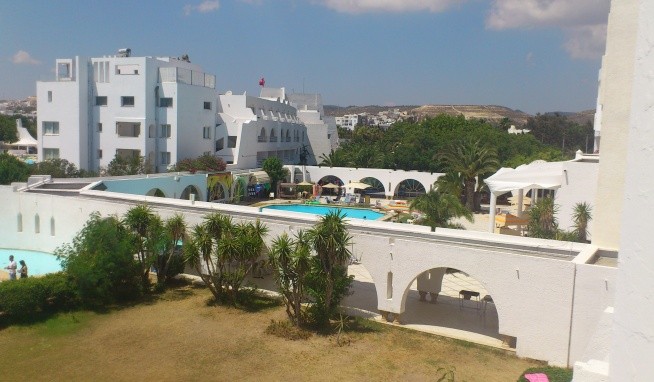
538	174
24	137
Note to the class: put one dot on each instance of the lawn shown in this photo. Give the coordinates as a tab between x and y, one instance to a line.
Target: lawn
179	336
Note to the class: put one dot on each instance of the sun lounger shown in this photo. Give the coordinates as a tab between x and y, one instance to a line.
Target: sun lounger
537	377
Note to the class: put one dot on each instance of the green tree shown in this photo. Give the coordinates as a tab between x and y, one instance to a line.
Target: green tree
451	183
439	209
12	169
169	257
205	162
328	282
120	166
57	168
275	169
224	253
100	261
291	261
581	216
470	159
149	237
542	219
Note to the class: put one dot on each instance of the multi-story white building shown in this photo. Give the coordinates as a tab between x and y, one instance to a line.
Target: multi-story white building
348	121
160	108
166	109
251	129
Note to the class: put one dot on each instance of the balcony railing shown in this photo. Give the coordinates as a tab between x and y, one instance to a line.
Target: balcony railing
261	139
187	76
273	139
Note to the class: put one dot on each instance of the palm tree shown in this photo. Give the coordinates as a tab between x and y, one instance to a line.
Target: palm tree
148	231
451	183
175	231
439	209
330	240
470	159
542	219
291	260
581	215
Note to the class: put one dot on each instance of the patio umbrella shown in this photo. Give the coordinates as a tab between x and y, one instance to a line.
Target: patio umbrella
359	185
305	184
330	185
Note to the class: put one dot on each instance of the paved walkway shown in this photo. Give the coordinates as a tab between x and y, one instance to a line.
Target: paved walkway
446	317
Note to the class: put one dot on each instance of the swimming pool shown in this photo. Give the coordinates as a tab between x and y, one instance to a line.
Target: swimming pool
38	263
353	213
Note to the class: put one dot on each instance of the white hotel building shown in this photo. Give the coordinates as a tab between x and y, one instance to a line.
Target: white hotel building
164	109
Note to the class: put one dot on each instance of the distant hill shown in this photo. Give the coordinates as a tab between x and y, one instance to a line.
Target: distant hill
492	113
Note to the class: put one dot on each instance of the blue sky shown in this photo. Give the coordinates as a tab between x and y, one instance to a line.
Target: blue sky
532	55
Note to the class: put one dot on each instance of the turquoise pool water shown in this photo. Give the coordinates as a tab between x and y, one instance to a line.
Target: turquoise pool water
353	213
38	263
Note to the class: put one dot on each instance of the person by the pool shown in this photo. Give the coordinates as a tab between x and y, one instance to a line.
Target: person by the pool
23	269
11	268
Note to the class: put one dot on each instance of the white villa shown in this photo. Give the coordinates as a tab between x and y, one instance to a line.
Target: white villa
166	109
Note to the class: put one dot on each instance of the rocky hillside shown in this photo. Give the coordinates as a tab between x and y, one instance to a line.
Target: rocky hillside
488	112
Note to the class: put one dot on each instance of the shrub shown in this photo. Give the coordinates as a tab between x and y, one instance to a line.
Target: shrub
100	262
25	298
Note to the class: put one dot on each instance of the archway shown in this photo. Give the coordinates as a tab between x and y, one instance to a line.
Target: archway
409	188
363	299
452	303
376	187
217	192
333	180
191	190
156	192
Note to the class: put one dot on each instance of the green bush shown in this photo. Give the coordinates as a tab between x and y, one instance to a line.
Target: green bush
554	374
25	298
100	262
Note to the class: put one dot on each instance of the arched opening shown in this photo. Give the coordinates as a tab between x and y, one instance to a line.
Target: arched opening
325	180
273	135
409	188
218	192
376	188
363	300
156	192
452	303
191	190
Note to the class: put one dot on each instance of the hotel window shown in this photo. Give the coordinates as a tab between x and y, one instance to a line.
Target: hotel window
165	102
165	157
220	144
207	106
49	95
99	154
50	128
127	101
101	101
231	141
99	127
206	132
50	154
165	131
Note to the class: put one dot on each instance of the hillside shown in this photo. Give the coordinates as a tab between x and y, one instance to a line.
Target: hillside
491	113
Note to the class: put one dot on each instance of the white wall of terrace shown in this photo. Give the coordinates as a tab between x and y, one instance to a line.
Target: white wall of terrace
532	281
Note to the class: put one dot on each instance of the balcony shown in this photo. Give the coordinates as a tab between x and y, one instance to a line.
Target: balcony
273	139
262	138
187	76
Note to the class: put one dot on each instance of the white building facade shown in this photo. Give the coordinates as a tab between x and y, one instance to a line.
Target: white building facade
159	108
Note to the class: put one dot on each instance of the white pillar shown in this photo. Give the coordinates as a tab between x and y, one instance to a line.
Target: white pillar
491	215
304	173
519	211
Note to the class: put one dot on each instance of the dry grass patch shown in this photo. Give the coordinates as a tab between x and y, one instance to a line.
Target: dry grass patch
176	336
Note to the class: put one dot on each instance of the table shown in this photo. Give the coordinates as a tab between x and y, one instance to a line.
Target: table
468	295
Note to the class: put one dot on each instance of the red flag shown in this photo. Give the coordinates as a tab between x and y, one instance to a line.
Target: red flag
262	82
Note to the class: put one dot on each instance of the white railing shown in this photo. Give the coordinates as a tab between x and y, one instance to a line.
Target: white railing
187	76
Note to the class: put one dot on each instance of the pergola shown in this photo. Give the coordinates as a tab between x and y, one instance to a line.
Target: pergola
536	175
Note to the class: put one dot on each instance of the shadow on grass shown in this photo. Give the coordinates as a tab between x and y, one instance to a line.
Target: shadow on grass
250	301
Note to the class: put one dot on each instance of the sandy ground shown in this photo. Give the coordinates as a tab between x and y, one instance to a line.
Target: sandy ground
3	275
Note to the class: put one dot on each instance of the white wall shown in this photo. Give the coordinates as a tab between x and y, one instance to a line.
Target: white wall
617	80
632	350
578	186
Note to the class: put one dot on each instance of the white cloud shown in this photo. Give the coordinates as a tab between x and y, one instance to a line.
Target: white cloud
22	57
583	21
363	6
204	7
